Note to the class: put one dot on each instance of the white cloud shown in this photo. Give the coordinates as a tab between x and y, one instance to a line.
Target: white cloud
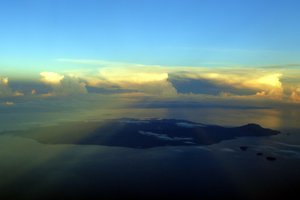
152	81
132	75
142	79
51	77
268	85
260	83
63	85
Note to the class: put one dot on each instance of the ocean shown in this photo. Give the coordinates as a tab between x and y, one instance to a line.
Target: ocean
33	170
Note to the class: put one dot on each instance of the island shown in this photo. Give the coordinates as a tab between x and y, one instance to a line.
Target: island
143	133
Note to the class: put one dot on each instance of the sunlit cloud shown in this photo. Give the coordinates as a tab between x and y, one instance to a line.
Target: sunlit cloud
5	89
165	82
4	81
51	77
18	93
262	84
149	81
132	75
222	82
8	103
33	92
269	85
295	96
62	85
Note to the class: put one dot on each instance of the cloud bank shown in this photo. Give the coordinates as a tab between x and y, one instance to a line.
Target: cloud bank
166	83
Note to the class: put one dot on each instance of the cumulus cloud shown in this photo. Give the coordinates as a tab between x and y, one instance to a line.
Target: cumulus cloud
259	83
172	81
5	89
145	80
169	81
63	85
51	77
269	85
70	85
242	83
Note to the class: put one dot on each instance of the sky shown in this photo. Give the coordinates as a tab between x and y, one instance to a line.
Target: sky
171	50
168	32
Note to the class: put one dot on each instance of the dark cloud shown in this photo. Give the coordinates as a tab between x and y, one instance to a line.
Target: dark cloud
203	86
28	86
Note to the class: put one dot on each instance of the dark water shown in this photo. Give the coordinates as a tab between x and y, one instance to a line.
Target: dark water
32	170
271	118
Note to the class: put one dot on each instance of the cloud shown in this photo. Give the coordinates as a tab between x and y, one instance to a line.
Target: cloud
133	75
8	103
131	79
63	85
4	81
150	81
206	86
269	85
51	77
70	85
119	77
295	96
5	89
242	83
162	88
33	91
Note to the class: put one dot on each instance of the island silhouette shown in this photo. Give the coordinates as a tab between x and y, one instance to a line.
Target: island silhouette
144	133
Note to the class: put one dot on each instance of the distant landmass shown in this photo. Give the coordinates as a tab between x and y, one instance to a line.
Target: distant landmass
144	133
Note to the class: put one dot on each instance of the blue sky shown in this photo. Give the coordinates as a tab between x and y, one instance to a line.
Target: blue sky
139	52
34	33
